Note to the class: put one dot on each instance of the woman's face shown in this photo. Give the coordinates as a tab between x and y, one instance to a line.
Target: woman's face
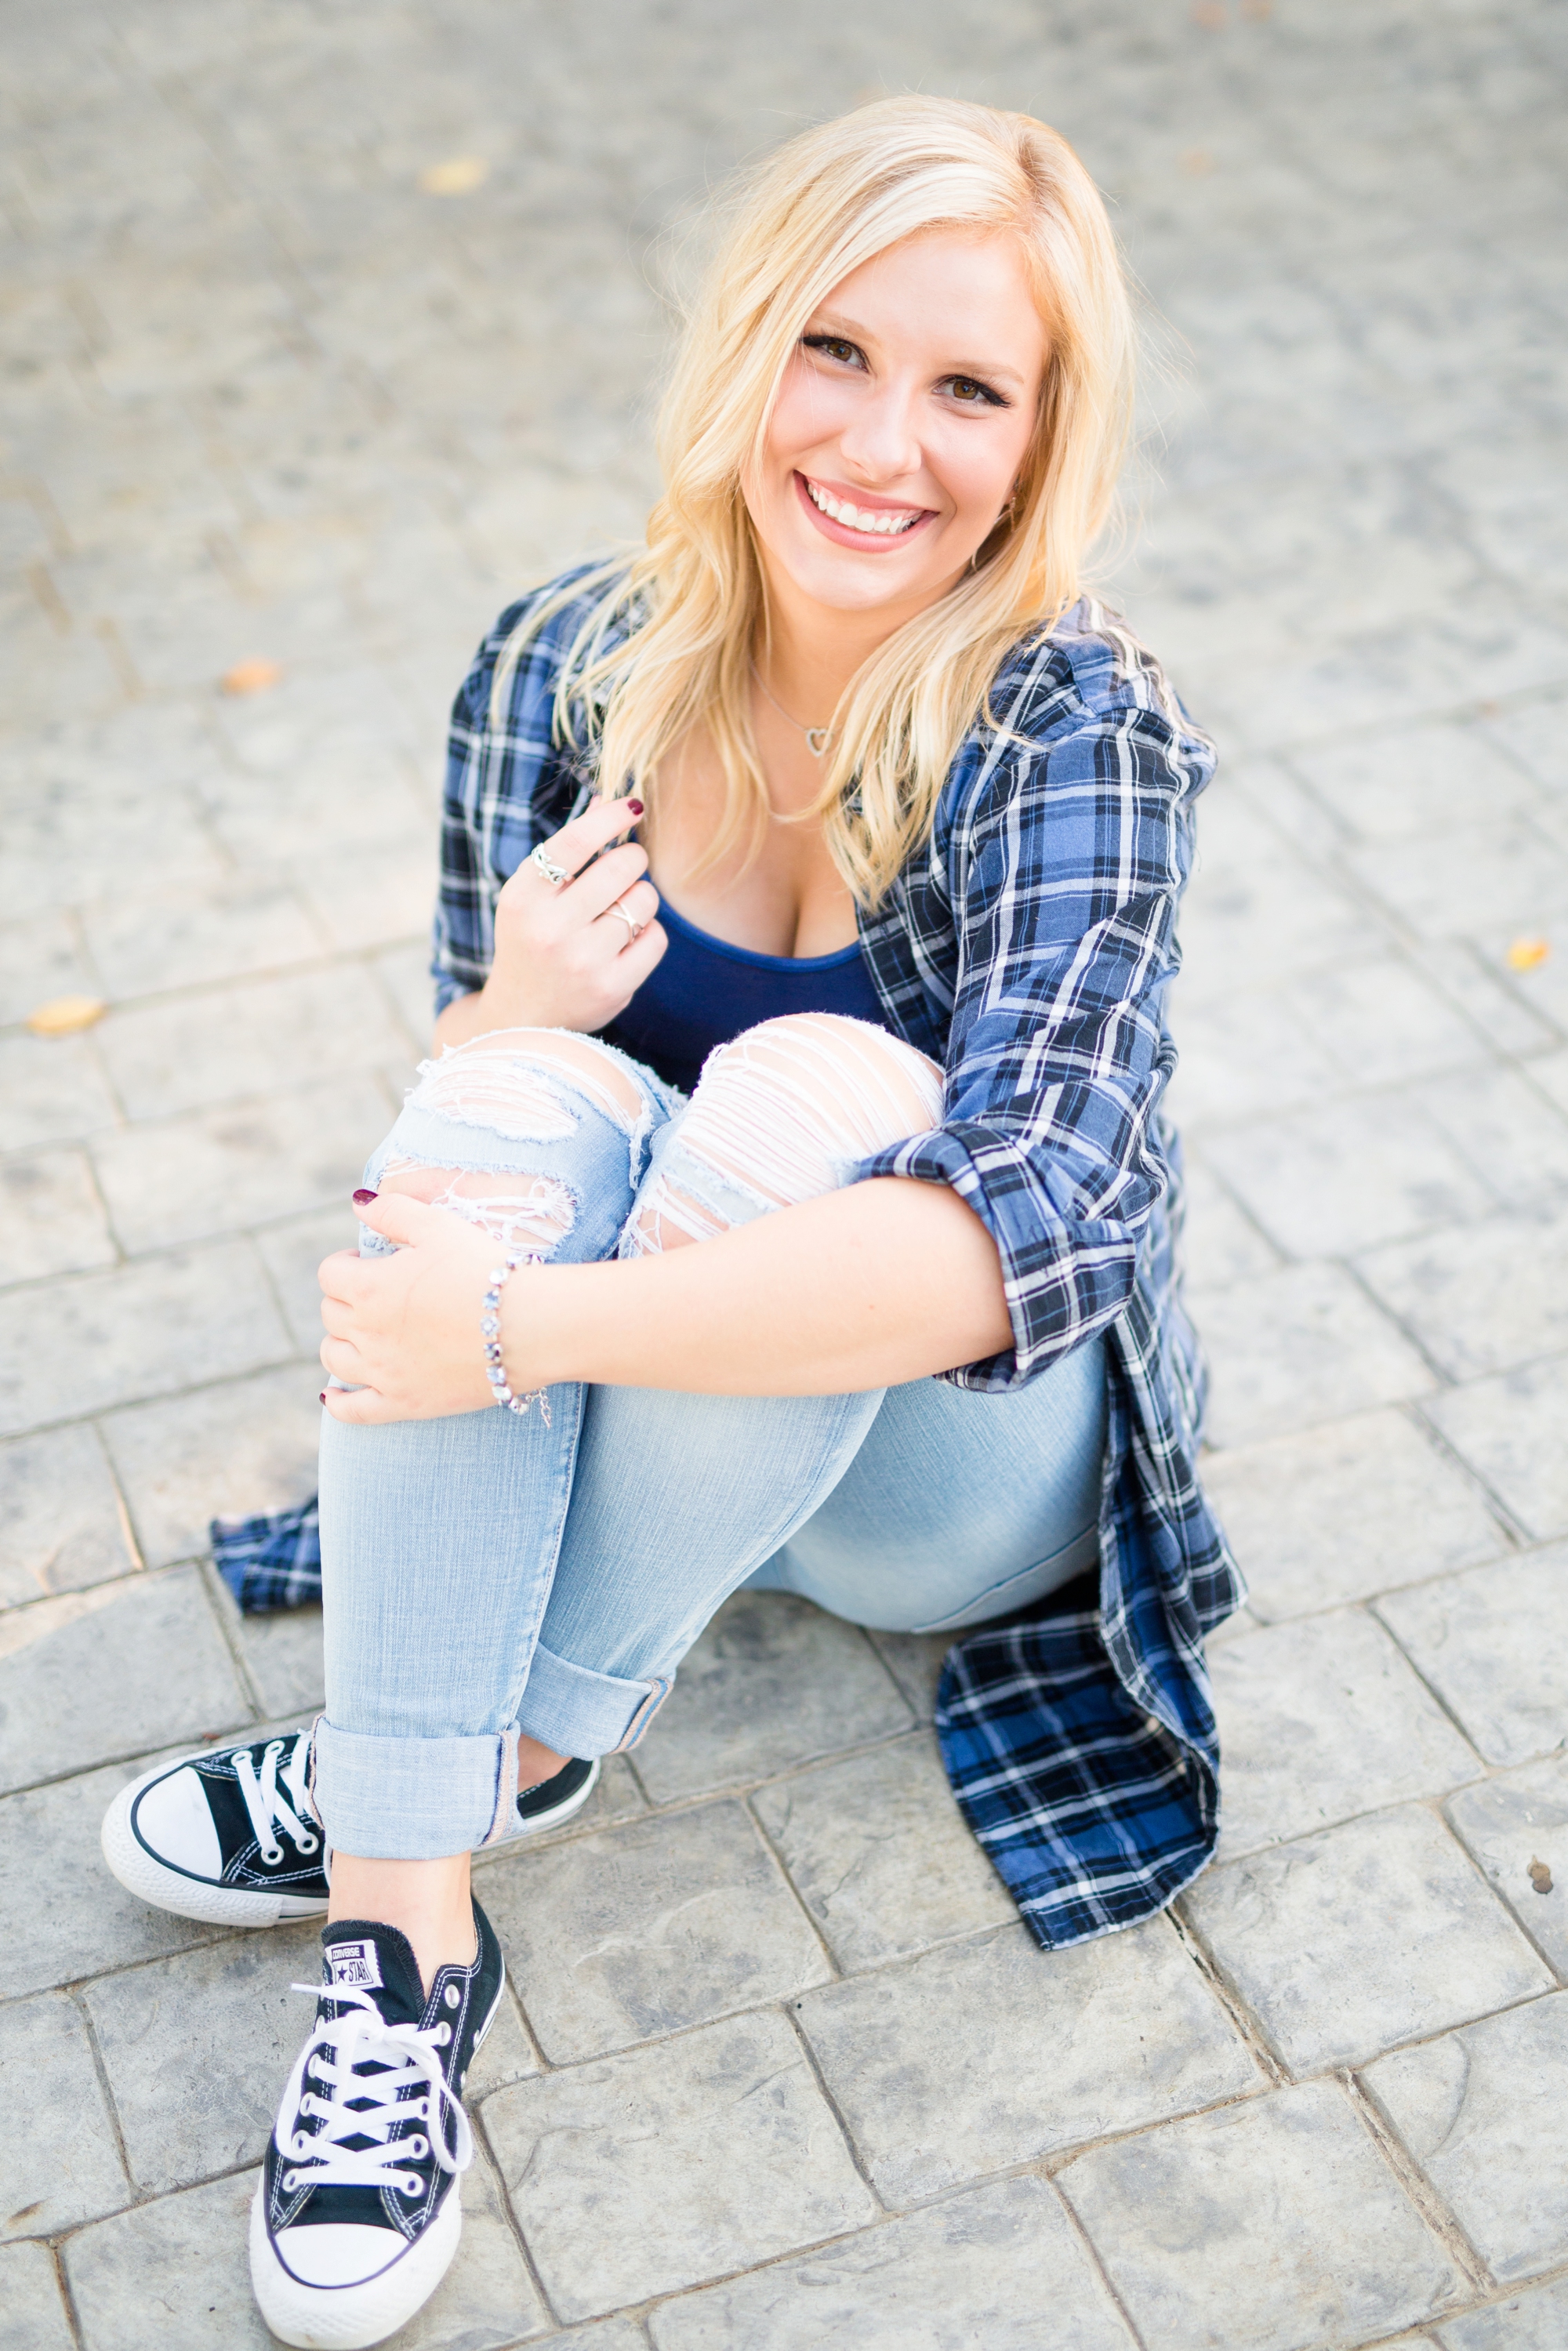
903	416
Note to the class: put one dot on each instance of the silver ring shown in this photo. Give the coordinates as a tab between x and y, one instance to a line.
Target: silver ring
551	873
620	915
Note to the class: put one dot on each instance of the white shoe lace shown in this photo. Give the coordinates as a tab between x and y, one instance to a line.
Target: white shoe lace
367	2106
265	1803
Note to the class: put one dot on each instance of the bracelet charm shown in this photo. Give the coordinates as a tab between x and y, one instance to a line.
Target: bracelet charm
490	1331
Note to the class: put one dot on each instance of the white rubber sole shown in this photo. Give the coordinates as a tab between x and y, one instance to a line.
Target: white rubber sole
350	2317
188	1898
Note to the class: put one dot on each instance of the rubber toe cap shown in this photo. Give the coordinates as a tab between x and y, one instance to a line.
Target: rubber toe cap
173	1818
338	2252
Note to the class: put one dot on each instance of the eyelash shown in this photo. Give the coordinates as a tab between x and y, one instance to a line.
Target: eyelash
829	344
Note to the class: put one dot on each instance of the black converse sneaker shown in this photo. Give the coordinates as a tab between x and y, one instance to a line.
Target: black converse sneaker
555	1799
233	1837
357	2213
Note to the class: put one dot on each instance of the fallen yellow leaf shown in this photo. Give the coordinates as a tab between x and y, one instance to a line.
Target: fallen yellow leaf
251	677
458	176
62	1014
1525	954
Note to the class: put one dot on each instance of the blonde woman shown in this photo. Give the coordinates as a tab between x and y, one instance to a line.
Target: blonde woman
806	921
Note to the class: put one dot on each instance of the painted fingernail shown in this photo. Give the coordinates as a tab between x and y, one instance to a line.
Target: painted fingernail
635	807
322	1397
361	1196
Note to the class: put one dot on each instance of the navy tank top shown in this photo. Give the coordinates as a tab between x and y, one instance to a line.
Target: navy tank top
703	992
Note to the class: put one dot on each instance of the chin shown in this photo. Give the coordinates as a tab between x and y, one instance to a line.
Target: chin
847	582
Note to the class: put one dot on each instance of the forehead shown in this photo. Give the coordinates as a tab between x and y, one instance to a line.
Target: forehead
962	292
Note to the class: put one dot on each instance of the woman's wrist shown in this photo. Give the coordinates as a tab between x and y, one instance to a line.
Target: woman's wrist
501	1390
552	1326
465	1016
484	1009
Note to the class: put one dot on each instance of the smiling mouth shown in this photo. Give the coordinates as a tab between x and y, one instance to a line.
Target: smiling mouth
890	522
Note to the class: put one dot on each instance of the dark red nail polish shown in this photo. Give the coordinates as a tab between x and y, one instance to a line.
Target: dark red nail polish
322	1397
361	1196
636	807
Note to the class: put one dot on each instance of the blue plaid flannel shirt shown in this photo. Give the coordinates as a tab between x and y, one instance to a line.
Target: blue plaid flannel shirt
1029	948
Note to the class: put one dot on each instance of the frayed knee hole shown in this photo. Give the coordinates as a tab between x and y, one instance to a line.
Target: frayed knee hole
518	1212
783	1114
509	1083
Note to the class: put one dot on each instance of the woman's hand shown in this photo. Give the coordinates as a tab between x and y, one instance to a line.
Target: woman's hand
404	1332
563	960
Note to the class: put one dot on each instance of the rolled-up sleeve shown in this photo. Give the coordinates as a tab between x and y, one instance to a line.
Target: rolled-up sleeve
1065	871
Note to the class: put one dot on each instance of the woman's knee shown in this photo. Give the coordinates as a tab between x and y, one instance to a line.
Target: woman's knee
508	1081
479	1130
846	1077
782	1114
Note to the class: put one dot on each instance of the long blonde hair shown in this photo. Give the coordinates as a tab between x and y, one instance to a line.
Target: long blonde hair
670	639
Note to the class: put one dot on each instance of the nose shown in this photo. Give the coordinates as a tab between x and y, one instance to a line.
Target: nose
880	442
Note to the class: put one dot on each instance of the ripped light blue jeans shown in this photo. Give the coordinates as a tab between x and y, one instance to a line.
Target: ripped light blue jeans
493	1573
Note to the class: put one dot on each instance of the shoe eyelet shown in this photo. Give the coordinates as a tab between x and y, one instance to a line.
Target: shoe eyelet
453	1995
412	2186
290	2182
308	1843
416	2149
272	1855
443	2033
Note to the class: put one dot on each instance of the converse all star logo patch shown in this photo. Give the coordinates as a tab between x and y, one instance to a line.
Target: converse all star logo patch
355	1966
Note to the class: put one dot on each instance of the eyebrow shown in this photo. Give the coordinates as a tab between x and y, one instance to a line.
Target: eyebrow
827	322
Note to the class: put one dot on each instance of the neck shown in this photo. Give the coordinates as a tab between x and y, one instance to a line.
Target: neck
813	650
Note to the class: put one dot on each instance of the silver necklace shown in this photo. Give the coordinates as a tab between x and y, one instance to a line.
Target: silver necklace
817	737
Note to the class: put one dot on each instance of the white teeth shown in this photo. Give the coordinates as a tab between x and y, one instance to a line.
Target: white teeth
859	518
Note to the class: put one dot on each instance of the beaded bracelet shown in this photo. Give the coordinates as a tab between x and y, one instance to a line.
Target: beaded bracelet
490	1329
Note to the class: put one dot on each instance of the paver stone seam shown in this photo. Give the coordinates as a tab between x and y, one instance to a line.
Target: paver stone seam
1519	1918
1435	1806
1430	2203
1370	1605
1518	1535
1242	2022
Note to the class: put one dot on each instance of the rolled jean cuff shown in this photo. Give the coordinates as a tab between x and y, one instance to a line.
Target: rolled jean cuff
579	1712
414	1799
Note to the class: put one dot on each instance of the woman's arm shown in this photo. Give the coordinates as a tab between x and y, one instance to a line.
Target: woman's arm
468	1016
1068	861
881	1282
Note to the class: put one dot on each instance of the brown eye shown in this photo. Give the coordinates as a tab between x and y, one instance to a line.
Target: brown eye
833	347
973	393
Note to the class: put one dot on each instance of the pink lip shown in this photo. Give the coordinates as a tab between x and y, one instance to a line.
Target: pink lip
861	541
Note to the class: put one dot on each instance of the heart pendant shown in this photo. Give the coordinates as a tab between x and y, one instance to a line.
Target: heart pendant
816	739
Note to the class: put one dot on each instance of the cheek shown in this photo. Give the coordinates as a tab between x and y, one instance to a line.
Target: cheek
977	471
809	410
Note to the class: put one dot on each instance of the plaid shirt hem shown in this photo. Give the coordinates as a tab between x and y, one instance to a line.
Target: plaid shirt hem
270	1562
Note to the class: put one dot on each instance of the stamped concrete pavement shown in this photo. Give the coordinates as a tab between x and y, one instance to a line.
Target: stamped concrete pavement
324	328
